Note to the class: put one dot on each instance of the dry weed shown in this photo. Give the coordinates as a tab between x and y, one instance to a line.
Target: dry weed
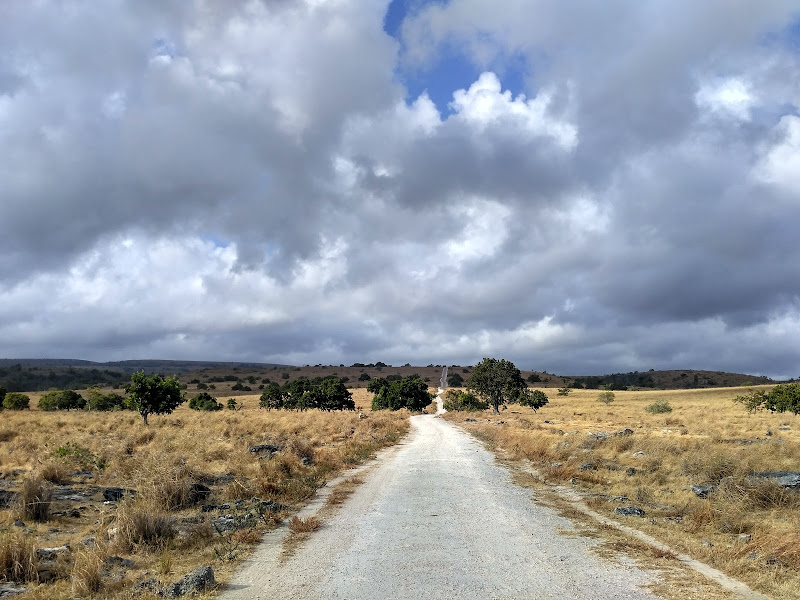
87	573
18	561
34	499
307	525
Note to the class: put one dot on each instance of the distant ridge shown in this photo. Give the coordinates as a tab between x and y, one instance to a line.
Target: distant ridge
129	366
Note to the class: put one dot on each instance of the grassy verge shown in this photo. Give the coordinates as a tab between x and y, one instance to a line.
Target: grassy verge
620	455
57	466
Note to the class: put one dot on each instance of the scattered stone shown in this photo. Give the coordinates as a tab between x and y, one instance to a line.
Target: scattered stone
744	538
115	494
197	493
362	415
7	498
307	461
199	580
500	423
549	422
210	507
753	556
470	420
784	428
118	561
599	436
625	432
702	491
630	471
264	450
788	479
587	467
11	589
88	542
629	511
18	523
638	454
768	433
619	499
51	554
707	544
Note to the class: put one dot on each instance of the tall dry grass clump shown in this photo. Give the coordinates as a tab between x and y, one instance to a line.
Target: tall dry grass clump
18	561
87	573
34	499
140	524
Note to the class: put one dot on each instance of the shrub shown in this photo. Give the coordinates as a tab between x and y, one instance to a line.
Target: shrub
364	377
535	399
533	378
204	401
79	455
239	387
61	400
232	404
455	380
659	407
298	525
564	391
455	400
606	397
16	401
104	402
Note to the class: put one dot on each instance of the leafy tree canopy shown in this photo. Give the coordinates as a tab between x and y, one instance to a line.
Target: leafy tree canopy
496	382
407	392
154	394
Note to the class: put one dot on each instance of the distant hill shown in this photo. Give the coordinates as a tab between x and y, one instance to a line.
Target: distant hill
31	375
38	374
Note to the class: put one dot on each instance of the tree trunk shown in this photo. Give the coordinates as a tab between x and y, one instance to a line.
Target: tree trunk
144	417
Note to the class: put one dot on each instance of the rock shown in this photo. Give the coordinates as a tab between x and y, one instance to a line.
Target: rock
638	454
51	554
470	420
199	580
307	461
210	507
707	544
264	450
784	428
549	422
624	432
702	491
7	498
629	511
18	523
768	433
11	589
197	493
118	561
115	494
744	538
362	415
630	471
587	467
788	479
599	436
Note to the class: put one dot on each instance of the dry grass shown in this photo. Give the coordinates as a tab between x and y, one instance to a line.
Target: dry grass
706	439
17	558
307	525
162	528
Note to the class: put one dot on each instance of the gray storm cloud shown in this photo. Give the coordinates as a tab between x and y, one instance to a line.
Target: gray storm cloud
249	180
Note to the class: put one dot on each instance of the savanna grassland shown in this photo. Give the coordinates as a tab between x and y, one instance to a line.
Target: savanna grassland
55	466
618	455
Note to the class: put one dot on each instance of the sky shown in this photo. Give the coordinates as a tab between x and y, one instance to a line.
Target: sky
579	187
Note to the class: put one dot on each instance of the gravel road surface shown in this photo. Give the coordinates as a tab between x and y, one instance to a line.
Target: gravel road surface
439	518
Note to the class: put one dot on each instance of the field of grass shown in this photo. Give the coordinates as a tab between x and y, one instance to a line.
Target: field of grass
45	456
748	528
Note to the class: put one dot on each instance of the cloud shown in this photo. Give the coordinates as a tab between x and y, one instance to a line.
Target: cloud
252	180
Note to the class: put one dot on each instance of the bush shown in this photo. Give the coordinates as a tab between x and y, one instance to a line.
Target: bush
61	400
455	380
534	378
140	524
204	401
657	408
535	399
80	456
364	377
239	387
564	391
606	397
104	402
455	400
16	401
784	397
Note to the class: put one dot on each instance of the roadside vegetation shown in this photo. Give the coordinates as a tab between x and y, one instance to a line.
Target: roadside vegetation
709	478
94	502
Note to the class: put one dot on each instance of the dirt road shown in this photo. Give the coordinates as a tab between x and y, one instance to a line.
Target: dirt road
438	518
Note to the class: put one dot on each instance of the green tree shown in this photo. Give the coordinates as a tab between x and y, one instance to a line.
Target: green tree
455	380
364	377
204	401
16	401
535	399
272	397
606	397
407	392
333	395
534	378
496	382
2	396
99	401
61	400
153	395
